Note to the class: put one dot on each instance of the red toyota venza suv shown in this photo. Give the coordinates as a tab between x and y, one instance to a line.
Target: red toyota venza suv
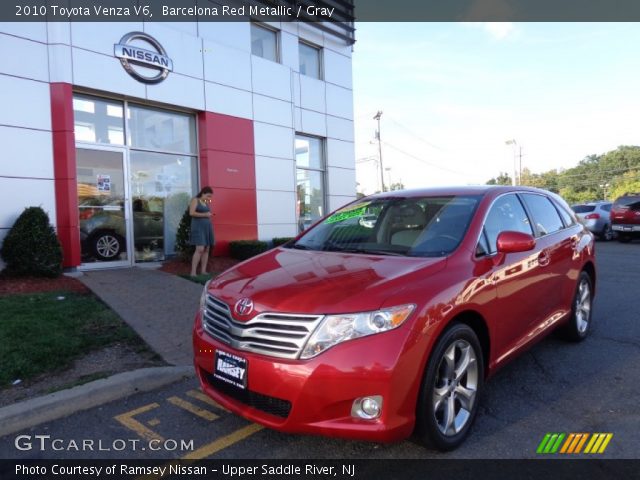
386	317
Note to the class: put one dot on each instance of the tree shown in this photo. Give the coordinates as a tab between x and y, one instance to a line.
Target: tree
502	179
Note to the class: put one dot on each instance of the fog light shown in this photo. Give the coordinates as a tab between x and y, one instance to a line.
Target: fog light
368	408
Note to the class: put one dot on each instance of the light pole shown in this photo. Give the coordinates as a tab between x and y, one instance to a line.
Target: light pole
377	117
517	170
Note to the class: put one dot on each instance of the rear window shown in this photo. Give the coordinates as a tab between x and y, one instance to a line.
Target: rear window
583	208
631	201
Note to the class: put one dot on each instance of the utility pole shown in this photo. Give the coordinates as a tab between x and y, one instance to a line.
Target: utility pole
377	117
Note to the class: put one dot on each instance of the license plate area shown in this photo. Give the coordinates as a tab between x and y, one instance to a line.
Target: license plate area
231	369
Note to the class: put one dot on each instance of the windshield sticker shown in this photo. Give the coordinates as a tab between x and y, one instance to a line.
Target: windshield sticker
348	212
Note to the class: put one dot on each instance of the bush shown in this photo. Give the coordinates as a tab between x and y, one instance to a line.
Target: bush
183	248
31	247
280	240
243	249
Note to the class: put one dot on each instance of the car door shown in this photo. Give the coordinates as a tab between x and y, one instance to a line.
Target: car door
517	277
557	245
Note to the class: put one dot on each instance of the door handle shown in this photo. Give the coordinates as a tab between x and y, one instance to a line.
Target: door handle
543	258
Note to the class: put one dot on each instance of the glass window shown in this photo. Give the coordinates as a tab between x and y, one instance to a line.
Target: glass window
309	152
310	195
264	42
583	208
413	226
567	217
545	215
97	120
506	214
309	60
161	188
606	207
161	130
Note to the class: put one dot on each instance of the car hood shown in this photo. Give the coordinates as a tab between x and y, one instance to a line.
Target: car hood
310	282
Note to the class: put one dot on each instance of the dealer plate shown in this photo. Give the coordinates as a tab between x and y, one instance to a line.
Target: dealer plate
231	369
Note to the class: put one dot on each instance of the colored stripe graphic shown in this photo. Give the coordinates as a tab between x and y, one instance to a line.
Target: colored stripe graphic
573	443
550	443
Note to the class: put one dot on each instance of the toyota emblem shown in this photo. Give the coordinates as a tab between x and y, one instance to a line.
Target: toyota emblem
244	306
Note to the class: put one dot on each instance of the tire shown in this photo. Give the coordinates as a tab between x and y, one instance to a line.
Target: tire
607	233
579	325
624	238
107	246
448	403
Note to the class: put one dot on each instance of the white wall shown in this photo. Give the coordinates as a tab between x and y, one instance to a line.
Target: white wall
214	70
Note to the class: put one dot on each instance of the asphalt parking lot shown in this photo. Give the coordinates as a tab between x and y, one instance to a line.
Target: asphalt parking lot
592	387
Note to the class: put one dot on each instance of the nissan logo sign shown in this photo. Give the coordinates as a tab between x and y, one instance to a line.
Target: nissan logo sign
244	306
156	59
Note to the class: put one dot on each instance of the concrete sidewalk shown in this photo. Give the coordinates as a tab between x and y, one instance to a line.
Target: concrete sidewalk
159	306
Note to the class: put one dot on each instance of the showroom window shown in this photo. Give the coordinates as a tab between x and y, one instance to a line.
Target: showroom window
310	60
310	190
136	171
264	42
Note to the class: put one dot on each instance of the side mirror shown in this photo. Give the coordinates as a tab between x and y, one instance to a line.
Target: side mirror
513	242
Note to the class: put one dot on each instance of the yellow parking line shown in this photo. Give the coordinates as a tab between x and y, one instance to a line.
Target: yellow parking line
128	421
203	398
153	422
224	442
190	407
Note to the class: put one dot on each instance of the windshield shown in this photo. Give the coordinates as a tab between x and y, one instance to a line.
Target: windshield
416	226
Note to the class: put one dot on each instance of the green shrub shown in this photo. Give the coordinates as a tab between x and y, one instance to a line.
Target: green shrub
31	247
243	249
280	240
183	248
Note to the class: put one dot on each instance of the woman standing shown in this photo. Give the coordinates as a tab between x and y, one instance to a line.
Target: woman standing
201	229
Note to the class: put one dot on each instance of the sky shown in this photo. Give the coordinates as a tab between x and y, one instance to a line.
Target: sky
453	94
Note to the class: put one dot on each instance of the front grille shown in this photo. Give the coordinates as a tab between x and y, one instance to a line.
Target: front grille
272	405
273	334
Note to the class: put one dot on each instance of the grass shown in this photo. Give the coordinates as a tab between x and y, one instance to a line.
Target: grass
45	332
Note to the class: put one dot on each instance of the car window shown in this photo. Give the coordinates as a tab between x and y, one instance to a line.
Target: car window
606	207
545	216
567	218
583	208
631	201
506	214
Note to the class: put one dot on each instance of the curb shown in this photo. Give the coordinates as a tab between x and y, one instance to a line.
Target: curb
29	413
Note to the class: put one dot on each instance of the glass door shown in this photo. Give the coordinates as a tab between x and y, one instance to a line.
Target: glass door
102	207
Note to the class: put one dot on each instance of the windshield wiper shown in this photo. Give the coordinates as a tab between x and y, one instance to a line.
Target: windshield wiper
336	248
299	246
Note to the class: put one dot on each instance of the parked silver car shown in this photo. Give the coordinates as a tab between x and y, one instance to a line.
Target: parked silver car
595	216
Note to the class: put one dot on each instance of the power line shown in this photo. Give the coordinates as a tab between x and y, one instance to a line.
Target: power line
423	160
414	134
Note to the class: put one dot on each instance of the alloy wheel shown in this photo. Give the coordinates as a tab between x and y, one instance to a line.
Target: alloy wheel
108	246
456	384
583	306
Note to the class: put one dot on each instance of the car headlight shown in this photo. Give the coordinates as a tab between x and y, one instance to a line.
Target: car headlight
203	299
336	329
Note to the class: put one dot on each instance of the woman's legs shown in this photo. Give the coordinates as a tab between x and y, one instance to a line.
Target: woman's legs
197	255
204	259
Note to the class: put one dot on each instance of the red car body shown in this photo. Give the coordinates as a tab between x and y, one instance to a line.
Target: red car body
510	299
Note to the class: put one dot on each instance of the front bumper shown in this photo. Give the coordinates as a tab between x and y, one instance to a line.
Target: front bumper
315	396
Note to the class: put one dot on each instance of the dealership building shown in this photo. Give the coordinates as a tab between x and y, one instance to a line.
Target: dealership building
112	127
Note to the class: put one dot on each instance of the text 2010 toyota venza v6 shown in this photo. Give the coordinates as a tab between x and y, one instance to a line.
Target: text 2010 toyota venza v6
387	316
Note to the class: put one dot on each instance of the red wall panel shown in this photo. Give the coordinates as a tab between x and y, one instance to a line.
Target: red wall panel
227	163
64	167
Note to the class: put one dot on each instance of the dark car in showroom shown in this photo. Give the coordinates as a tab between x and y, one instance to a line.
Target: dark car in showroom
625	217
385	318
103	231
